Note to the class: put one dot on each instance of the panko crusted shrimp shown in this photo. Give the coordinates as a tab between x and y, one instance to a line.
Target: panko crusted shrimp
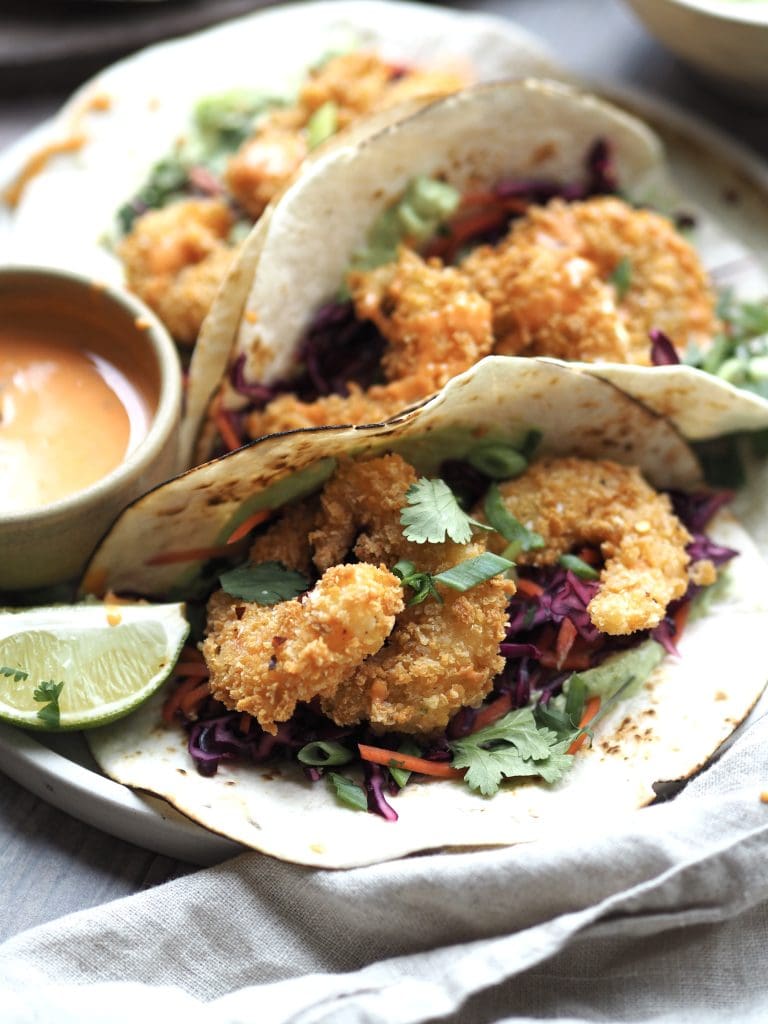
435	325
264	660
572	501
412	669
176	258
353	84
554	275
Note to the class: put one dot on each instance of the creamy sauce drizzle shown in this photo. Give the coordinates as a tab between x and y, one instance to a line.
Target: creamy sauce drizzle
67	418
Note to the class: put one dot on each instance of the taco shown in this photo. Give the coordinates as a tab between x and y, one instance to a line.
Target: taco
466	592
515	218
181	146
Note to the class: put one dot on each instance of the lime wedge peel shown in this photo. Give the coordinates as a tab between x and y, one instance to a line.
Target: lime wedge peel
110	657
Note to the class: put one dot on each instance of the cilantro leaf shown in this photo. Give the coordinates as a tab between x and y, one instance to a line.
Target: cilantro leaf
48	693
348	792
422	582
432	512
17	674
515	746
621	278
520	538
266	583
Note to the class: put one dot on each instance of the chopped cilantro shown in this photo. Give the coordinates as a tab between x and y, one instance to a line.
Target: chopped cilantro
48	693
513	747
432	513
621	278
266	583
348	792
17	674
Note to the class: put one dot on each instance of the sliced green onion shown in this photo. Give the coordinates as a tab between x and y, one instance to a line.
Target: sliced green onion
468	574
503	522
401	775
498	461
433	199
579	567
621	278
321	753
323	123
734	370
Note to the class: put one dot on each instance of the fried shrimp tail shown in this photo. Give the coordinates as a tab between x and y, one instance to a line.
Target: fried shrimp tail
264	660
572	501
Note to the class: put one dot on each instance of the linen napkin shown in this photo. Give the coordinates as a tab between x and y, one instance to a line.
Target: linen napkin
660	916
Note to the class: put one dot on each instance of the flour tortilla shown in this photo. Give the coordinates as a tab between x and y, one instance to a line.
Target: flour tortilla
507	130
687	708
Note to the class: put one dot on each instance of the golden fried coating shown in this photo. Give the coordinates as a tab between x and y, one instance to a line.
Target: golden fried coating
264	164
665	285
434	321
572	501
176	258
436	327
355	82
439	658
264	660
548	302
287	539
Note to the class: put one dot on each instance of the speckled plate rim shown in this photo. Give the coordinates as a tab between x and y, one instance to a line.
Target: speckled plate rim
148	822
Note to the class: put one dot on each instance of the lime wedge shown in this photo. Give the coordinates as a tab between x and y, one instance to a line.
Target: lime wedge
110	658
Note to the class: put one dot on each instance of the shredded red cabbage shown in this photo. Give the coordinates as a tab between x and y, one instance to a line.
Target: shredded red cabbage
663	352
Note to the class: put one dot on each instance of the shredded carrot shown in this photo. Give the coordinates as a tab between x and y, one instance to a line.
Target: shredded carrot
248	524
192	700
681	620
591	709
565	637
439	769
173	703
224	427
245	723
576	661
492	712
529	588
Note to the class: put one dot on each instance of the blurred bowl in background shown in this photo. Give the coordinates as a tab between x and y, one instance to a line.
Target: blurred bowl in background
726	40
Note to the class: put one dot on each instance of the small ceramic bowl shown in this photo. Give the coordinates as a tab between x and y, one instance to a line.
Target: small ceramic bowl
727	40
46	544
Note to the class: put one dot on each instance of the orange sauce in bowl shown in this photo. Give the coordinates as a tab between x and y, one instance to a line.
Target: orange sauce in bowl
68	416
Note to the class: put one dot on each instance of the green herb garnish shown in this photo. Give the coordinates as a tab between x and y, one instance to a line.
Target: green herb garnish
17	674
266	583
514	747
461	577
48	693
498	461
322	124
322	753
348	792
432	513
579	567
402	775
621	278
519	537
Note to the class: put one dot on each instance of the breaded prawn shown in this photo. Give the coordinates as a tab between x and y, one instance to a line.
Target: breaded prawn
176	258
552	283
436	326
572	501
286	540
264	660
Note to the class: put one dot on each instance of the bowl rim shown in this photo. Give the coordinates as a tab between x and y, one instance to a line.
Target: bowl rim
164	420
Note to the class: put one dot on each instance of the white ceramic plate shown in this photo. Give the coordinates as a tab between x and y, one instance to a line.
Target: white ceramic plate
711	171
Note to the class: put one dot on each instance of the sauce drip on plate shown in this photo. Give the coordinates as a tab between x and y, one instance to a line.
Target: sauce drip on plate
68	417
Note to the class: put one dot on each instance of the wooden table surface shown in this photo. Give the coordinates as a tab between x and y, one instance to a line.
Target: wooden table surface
50	863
